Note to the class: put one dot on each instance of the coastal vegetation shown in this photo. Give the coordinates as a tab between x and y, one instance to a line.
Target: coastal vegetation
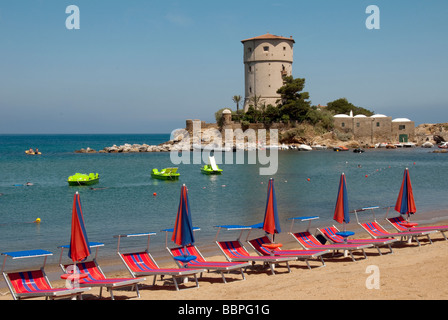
293	108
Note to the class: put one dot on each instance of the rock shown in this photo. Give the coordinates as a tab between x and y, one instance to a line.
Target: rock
438	139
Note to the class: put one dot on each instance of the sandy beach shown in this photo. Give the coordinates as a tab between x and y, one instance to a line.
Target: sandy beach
412	272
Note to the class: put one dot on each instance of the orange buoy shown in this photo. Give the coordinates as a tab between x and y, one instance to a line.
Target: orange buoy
154	194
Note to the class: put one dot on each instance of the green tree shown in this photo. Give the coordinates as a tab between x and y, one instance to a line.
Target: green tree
237	100
271	114
252	115
294	102
342	106
256	100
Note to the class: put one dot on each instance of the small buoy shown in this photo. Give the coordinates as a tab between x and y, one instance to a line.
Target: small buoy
37	220
308	179
223	185
154	194
367	175
414	163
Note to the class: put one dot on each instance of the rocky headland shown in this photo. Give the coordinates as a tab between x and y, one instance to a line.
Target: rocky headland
425	135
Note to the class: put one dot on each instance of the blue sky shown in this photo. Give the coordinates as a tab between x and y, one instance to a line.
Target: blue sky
146	66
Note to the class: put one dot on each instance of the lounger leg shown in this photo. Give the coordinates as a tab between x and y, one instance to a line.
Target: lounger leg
379	251
364	252
323	262
112	294
175	283
429	238
154	280
197	282
351	255
272	268
308	264
223	277
416	239
137	291
443	233
287	264
242	274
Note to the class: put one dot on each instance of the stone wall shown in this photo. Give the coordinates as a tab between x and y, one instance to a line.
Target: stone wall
375	129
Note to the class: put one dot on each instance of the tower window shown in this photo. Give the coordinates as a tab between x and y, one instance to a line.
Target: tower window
284	48
266	48
377	124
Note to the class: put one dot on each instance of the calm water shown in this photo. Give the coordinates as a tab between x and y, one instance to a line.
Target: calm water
127	204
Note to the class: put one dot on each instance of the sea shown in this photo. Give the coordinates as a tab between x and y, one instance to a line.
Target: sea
128	201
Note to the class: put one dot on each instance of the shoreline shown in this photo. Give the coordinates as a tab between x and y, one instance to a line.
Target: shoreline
411	272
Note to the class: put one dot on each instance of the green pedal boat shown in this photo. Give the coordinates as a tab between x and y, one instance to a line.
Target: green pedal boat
80	179
165	174
211	168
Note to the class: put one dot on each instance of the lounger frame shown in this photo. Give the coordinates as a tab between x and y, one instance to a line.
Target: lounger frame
396	222
210	266
234	251
35	283
96	277
140	264
330	234
304	255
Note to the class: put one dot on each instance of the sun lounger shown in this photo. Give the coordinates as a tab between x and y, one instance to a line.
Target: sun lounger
310	242
35	283
377	231
96	276
200	262
398	222
234	251
257	245
330	234
141	264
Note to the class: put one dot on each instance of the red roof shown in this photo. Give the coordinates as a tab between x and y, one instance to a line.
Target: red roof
269	36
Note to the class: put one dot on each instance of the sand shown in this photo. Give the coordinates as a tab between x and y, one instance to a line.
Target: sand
411	272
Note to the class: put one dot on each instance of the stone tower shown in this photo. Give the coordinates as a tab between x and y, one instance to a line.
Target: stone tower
267	59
